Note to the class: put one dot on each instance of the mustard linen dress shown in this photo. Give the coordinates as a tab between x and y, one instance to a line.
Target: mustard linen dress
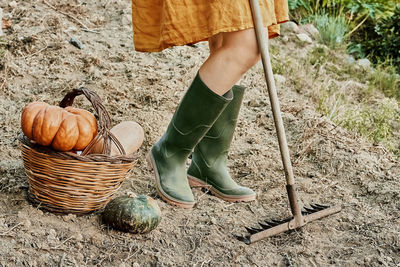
159	24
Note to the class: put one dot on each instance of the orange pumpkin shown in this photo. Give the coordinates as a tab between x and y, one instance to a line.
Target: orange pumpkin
63	128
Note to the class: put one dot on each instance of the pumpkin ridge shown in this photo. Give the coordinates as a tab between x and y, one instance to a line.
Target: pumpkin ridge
38	120
59	142
85	132
58	124
28	116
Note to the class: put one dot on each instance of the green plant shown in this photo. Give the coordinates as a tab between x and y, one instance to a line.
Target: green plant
356	50
374	123
332	29
330	99
385	79
384	40
296	4
372	26
317	55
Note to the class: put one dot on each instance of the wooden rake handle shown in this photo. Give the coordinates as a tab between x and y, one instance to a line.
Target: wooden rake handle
266	61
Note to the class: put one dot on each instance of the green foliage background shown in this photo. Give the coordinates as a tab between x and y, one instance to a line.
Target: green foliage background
370	28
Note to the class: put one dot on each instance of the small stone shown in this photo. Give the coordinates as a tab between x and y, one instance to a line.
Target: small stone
52	232
3	223
364	63
253	103
279	79
289	27
39	212
27	223
127	20
79	256
285	39
69	217
135	264
75	42
304	38
131	194
213	221
94	240
79	237
21	214
95	73
13	4
72	29
17	28
351	60
310	29
52	236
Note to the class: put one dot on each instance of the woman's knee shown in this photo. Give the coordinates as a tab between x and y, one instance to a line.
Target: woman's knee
215	42
243	47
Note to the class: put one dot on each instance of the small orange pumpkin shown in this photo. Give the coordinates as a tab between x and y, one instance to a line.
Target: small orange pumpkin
63	129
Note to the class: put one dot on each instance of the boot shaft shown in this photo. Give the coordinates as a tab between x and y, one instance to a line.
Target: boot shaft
219	137
196	113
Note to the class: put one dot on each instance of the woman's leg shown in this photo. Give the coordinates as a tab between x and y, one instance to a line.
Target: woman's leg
237	52
203	103
208	167
215	42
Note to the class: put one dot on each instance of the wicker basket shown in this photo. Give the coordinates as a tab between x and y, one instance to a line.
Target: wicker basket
65	182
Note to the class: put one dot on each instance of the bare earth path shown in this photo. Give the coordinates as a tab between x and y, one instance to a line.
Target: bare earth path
331	165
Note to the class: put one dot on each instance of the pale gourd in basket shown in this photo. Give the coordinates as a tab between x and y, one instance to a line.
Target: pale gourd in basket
129	133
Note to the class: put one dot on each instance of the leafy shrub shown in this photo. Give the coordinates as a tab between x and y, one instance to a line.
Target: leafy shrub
385	79
382	40
373	26
374	123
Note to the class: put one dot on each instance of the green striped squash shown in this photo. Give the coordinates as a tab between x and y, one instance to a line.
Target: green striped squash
139	214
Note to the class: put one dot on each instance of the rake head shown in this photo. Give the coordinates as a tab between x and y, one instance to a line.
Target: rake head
269	228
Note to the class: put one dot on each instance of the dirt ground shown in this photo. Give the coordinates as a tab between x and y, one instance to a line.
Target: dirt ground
331	165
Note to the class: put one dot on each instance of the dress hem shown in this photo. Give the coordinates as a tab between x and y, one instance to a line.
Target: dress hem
207	35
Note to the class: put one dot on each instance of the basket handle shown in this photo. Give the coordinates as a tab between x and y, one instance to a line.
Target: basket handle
103	118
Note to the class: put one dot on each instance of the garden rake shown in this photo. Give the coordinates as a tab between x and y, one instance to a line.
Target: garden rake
300	217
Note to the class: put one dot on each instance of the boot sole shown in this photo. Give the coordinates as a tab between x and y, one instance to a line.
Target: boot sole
161	193
196	182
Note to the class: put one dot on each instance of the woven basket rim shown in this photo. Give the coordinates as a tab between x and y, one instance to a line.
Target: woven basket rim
48	151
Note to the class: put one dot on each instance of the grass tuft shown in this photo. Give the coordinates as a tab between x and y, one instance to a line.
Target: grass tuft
332	29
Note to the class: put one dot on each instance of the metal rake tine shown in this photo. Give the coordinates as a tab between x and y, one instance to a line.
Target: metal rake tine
253	231
244	239
305	212
316	207
282	221
322	206
272	223
264	226
310	210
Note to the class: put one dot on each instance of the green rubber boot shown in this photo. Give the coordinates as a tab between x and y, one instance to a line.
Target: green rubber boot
208	168
197	112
